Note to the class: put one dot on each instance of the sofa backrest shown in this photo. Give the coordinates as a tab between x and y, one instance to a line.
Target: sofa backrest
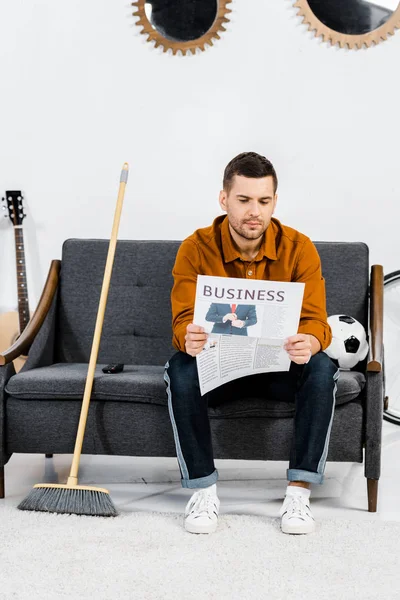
137	324
345	267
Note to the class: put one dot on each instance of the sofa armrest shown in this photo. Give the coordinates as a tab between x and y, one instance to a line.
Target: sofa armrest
376	320
25	340
6	372
373	423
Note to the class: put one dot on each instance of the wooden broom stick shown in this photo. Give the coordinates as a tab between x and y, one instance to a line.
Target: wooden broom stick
73	476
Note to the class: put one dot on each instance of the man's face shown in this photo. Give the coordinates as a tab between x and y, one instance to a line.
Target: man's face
250	205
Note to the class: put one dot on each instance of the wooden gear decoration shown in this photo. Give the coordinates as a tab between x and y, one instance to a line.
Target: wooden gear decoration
343	39
153	35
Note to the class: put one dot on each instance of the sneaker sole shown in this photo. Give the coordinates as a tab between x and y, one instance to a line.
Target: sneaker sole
193	528
299	530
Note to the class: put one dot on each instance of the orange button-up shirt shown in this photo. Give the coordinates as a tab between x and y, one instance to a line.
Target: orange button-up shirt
284	255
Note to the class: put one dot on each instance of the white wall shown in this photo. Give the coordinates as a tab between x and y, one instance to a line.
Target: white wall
81	91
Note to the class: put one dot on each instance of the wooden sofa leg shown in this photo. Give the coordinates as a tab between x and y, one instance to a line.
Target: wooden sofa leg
1	482
372	486
49	456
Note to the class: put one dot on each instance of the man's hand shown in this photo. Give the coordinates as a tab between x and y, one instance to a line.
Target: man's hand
301	347
229	317
238	323
195	339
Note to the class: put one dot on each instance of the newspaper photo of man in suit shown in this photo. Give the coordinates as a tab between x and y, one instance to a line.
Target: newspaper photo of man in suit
231	319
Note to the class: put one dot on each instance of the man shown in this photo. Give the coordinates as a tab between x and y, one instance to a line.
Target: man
231	319
249	243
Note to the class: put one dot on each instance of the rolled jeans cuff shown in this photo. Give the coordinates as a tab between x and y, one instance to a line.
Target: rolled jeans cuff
307	476
201	482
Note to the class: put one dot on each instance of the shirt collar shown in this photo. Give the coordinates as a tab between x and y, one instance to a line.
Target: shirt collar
267	248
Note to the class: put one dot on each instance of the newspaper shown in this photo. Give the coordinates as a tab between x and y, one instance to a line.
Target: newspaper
248	322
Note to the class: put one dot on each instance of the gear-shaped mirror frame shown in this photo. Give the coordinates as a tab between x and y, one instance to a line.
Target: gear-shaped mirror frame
343	39
207	39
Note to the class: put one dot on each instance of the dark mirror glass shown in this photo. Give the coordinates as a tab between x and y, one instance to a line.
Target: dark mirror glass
182	20
353	17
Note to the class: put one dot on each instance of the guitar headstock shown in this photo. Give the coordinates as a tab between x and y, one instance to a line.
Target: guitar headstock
14	205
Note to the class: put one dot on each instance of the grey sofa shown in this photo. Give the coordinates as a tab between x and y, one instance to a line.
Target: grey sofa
39	406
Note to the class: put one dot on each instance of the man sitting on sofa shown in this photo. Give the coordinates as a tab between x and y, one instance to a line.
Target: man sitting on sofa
249	243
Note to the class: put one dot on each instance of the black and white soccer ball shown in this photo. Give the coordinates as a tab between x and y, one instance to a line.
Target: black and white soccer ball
349	341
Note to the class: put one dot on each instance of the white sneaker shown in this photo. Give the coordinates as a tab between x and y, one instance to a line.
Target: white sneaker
296	516
201	512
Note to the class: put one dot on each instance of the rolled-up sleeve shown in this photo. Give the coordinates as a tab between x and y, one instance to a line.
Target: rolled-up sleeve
185	271
313	318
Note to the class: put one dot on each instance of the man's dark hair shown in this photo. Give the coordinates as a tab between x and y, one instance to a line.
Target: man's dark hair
249	164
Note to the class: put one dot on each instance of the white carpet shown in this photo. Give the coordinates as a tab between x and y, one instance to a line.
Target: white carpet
148	556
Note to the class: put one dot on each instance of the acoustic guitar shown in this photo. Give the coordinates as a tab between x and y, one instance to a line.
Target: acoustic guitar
12	324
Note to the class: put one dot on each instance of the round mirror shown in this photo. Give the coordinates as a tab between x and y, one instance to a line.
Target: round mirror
182	24
351	22
181	20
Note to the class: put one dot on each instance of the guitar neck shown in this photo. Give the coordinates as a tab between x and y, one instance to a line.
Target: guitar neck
23	303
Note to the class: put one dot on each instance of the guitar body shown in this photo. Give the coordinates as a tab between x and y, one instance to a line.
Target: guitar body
9	332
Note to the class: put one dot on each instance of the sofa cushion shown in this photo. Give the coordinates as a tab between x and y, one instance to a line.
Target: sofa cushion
146	384
67	381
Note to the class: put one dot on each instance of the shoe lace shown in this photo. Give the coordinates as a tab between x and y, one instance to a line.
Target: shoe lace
296	506
203	502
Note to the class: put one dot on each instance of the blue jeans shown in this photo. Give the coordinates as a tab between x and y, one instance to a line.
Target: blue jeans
311	387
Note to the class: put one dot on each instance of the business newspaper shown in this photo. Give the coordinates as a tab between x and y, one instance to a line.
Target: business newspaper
248	322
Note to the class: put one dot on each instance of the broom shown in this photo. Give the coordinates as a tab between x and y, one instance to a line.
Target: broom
71	497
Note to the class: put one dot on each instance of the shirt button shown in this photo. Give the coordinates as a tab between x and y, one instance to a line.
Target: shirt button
250	273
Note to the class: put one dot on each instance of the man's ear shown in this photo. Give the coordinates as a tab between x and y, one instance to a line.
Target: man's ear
222	200
275	202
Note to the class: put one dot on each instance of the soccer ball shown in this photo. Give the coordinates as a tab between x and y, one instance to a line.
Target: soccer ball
349	341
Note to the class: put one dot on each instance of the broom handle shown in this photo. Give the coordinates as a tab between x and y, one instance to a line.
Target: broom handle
73	476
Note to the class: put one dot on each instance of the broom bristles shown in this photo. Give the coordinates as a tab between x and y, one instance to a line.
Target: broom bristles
69	501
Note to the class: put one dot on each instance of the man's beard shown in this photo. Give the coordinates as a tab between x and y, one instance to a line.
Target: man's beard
247	234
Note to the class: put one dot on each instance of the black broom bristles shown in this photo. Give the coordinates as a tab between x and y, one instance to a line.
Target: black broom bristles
67	500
